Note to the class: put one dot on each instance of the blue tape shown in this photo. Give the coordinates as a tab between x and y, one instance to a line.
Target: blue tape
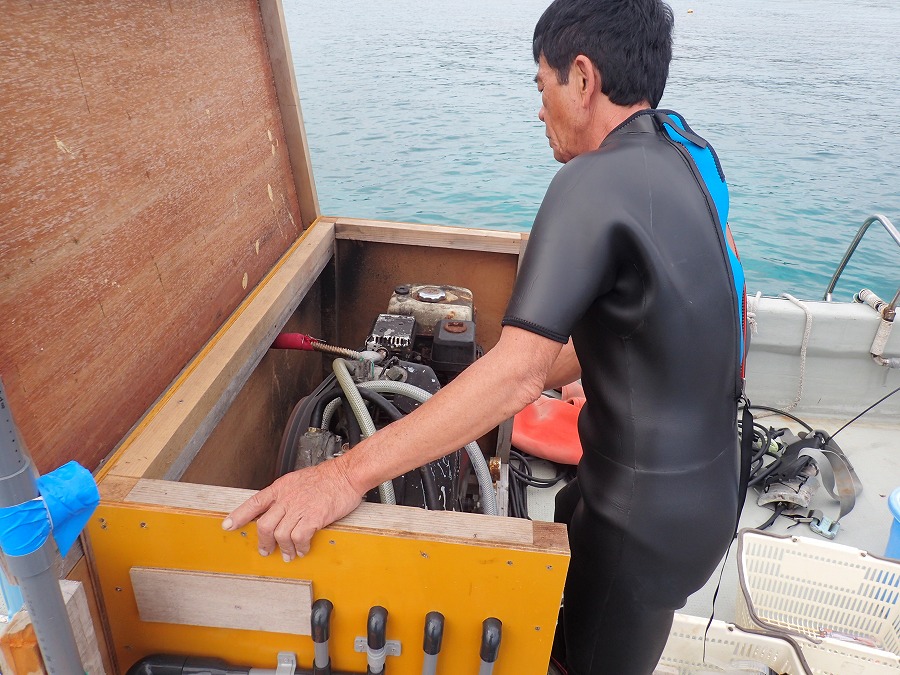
24	528
69	496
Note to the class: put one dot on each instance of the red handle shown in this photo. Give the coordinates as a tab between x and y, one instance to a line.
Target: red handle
294	341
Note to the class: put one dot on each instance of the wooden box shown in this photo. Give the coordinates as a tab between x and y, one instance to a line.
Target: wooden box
160	227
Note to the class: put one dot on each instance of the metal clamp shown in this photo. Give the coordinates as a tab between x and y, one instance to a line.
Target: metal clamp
391	647
823	525
287	663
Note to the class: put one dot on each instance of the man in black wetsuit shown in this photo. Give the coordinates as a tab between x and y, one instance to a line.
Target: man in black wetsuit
630	282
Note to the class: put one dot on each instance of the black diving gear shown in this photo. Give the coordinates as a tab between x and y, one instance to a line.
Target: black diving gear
629	255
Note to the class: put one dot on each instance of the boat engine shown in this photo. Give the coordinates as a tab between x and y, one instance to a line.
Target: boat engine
424	339
430	325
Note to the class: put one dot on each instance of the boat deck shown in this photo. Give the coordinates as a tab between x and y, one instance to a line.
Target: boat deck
874	450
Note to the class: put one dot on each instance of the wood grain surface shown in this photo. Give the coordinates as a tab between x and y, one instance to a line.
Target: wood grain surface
223	600
145	188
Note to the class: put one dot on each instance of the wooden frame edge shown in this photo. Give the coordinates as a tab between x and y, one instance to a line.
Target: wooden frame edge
437	236
275	28
379	519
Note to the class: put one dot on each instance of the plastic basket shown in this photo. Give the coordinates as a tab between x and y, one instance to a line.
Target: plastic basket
728	649
840	602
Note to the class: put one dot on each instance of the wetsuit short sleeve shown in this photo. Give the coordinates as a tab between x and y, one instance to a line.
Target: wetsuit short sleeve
569	259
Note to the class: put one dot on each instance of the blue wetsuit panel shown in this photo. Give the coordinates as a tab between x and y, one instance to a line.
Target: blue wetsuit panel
711	171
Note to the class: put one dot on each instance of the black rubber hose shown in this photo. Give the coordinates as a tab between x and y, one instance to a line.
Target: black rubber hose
429	487
354	433
783	413
383	404
164	664
759	476
318	411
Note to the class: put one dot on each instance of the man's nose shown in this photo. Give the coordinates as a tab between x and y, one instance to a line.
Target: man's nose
541	114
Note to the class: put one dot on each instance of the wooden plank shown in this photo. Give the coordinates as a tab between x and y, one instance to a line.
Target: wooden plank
522	248
102	627
174	430
115	488
400	521
141	199
81	573
289	102
550	536
439	236
223	600
19	651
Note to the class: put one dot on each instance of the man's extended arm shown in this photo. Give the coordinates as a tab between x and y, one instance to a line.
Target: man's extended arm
502	382
566	369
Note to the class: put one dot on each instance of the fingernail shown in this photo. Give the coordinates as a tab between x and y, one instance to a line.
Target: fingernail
263	552
227	524
285	557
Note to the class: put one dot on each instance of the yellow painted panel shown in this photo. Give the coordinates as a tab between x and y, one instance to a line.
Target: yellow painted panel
409	577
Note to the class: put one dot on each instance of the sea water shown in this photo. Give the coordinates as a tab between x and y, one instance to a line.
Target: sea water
425	111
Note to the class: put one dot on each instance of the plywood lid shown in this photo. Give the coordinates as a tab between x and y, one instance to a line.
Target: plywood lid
146	186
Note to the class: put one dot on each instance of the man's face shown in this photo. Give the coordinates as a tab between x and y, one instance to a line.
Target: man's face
560	112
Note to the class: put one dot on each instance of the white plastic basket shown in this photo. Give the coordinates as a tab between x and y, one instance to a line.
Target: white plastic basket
842	604
728	649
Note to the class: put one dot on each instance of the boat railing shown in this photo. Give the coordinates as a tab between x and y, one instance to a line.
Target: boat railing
891	230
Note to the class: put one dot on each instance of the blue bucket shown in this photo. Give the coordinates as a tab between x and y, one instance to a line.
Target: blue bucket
893	546
12	600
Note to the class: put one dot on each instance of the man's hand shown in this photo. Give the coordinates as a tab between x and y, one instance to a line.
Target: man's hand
296	506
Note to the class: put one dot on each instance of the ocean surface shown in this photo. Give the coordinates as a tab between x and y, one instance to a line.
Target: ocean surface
425	111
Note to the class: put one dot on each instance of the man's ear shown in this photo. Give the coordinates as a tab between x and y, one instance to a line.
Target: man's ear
587	77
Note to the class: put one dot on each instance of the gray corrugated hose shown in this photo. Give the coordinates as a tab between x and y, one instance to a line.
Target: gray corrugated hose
386	489
479	464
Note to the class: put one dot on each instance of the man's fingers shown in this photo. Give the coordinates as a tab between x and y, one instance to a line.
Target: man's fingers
301	536
289	512
283	538
249	510
266	526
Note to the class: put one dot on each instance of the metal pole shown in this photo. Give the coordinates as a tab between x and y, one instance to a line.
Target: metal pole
34	571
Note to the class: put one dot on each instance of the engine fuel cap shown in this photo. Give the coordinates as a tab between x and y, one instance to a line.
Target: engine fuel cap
431	294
